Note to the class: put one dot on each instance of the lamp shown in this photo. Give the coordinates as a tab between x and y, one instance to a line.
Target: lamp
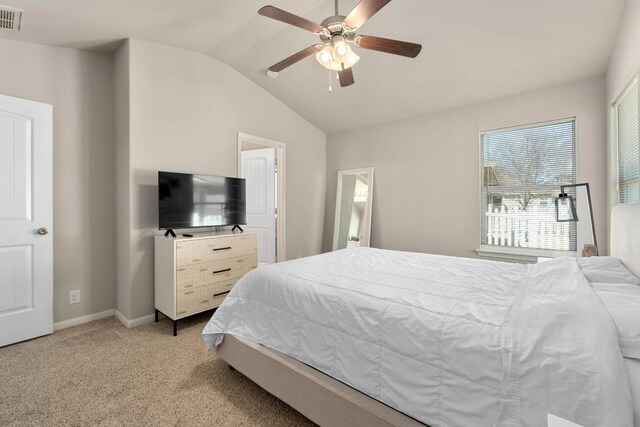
566	211
565	208
337	56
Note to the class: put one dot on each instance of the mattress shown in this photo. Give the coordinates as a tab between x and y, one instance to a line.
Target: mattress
447	341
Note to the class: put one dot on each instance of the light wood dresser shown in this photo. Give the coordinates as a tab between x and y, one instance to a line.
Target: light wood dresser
195	274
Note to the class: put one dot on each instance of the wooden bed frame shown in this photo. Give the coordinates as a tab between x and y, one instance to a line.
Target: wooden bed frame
317	396
329	402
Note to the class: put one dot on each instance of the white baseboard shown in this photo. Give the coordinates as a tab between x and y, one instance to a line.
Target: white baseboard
83	319
134	322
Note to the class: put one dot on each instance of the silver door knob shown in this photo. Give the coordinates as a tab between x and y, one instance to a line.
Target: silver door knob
43	231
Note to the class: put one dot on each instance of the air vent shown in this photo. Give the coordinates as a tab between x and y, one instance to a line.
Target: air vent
10	18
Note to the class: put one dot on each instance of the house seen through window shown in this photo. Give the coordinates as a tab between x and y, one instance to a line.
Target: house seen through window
522	170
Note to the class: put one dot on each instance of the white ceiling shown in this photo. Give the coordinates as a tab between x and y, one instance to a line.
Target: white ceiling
473	50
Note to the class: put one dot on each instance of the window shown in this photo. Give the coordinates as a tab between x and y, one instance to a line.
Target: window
626	120
522	170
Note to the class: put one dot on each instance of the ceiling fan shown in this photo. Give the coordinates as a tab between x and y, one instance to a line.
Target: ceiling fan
336	34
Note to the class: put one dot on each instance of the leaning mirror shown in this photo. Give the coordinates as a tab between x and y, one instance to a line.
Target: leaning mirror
353	208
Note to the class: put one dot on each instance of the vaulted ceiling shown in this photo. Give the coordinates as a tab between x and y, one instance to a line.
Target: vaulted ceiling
473	50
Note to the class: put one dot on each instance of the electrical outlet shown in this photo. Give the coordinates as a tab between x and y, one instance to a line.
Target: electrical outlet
74	296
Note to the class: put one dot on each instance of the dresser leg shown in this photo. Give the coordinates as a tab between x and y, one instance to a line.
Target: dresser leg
175	328
156	315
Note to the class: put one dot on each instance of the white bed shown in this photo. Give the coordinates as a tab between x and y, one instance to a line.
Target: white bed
633	369
447	341
625	245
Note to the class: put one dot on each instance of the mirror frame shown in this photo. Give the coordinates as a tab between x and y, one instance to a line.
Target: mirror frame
366	241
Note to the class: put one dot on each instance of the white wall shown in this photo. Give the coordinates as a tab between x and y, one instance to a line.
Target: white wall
185	110
426	189
625	58
79	85
624	65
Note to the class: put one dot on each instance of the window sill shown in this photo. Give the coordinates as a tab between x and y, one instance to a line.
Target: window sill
525	255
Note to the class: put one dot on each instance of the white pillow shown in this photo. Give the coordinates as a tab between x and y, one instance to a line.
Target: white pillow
606	269
622	300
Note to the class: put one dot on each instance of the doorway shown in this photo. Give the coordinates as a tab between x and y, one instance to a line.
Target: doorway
262	163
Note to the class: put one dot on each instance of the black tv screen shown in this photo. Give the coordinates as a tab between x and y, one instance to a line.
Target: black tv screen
189	201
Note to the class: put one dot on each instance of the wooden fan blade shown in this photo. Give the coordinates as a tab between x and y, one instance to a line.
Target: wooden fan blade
363	11
290	18
346	77
395	47
295	58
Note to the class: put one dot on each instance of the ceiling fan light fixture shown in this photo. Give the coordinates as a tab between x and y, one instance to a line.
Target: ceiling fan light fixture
326	58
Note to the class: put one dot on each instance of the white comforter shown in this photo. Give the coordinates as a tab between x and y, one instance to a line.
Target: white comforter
448	341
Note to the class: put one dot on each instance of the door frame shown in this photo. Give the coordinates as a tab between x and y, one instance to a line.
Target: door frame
280	147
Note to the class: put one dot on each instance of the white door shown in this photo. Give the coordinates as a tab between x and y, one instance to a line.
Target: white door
259	169
26	220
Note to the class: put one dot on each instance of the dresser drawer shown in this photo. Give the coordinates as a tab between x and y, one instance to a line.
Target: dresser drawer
186	302
189	252
221	288
206	250
199	299
191	276
232	247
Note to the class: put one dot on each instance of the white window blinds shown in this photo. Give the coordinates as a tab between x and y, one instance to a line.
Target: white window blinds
522	170
626	109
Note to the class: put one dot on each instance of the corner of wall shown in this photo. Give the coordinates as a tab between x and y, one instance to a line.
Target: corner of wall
123	175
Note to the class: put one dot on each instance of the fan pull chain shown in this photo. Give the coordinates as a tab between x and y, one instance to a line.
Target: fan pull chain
330	81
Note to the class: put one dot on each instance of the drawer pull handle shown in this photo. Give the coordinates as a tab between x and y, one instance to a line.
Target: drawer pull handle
221	293
221	271
203	269
188	286
222	249
197	260
180	269
188	293
204	301
240	260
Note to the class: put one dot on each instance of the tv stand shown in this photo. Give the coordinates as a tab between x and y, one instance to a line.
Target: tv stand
169	232
238	227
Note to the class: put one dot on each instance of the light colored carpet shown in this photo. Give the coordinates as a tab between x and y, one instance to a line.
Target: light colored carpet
103	374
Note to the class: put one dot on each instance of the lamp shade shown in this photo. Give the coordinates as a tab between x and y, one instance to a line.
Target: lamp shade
341	50
325	56
565	208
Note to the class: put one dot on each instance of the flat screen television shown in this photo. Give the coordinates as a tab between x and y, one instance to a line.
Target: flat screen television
191	201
